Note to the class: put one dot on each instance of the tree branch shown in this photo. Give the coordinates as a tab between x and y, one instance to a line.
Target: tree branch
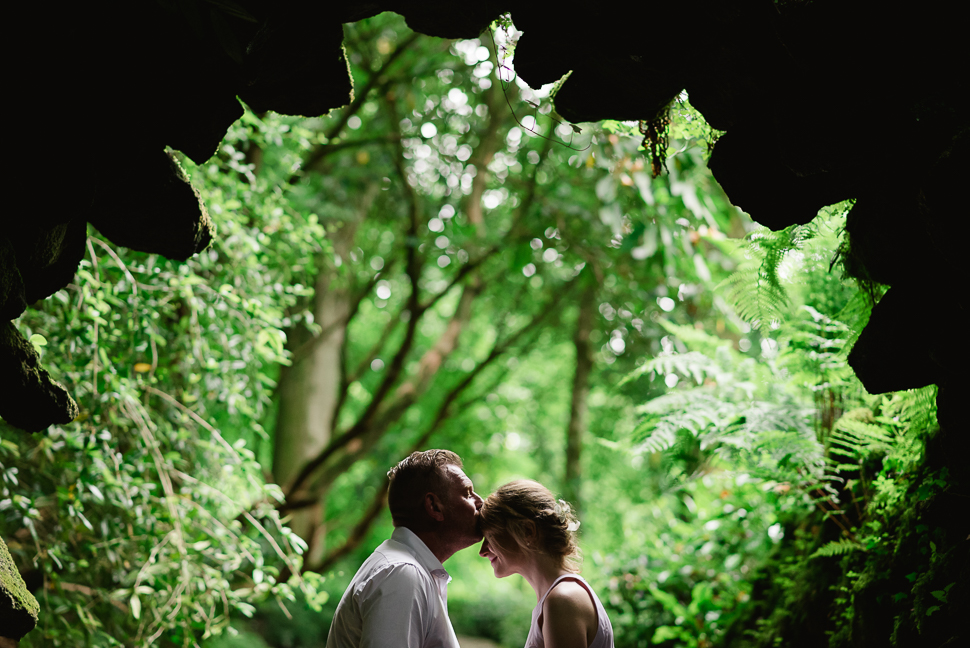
366	361
321	151
484	152
324	150
498	349
359	532
576	428
389	412
380	415
413	268
307	348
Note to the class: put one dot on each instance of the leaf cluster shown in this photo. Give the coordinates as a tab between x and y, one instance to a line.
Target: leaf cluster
149	520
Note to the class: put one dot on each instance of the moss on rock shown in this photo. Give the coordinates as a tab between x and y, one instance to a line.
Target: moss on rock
18	607
30	399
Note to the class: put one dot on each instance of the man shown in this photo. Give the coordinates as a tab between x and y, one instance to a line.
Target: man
399	596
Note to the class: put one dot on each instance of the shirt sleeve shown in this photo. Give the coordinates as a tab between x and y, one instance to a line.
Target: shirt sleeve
395	608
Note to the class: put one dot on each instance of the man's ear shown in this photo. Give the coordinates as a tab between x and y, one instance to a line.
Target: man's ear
434	507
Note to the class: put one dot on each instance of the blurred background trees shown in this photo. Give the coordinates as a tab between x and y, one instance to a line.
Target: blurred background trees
446	263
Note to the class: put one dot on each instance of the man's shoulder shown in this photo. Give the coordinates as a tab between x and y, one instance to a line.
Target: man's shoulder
391	580
391	560
392	552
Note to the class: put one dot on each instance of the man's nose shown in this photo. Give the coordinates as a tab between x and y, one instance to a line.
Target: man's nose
478	501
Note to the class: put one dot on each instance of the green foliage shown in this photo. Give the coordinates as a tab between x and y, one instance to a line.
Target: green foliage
837	548
726	400
850	466
724	417
683	575
880	569
869	557
756	289
503	616
553	218
739	487
578	207
148	520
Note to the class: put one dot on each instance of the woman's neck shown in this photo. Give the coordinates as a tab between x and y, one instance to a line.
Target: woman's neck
542	572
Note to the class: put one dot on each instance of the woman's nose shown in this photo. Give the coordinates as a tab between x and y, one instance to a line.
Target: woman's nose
484	548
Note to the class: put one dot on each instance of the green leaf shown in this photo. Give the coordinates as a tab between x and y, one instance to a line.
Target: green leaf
668	601
837	548
941	595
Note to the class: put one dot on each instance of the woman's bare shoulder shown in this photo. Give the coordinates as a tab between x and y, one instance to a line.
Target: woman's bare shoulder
570	616
570	598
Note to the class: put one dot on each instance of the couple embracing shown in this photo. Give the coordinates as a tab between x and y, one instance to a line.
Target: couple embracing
399	597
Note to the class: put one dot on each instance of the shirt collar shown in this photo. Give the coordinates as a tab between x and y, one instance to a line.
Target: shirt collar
423	555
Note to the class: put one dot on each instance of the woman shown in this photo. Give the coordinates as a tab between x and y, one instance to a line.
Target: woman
528	532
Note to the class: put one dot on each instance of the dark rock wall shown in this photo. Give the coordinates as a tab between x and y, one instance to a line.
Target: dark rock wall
821	101
107	87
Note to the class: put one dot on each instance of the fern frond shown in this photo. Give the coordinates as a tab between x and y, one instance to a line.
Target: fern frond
855	316
857	439
837	548
916	408
828	328
781	455
756	288
835	467
661	437
756	301
676	400
698	412
783	414
693	364
695	339
759	433
866	433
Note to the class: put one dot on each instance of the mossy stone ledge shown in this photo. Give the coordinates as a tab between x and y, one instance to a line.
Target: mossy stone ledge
18	607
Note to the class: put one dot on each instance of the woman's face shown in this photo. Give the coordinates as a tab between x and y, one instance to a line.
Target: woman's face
504	563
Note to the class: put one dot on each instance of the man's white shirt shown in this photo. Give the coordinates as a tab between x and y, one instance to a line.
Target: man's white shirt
398	598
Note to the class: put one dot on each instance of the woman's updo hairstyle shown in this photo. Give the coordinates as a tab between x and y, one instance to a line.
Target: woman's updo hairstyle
527	514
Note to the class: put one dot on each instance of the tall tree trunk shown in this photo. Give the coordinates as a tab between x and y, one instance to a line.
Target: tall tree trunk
309	389
577	411
308	392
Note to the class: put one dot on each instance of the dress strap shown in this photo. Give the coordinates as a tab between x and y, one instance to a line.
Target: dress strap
585	586
576	577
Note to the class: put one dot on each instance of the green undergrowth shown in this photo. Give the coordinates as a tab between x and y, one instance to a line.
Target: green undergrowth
888	567
857	533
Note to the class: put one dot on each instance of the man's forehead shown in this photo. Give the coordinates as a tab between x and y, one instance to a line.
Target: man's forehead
457	475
